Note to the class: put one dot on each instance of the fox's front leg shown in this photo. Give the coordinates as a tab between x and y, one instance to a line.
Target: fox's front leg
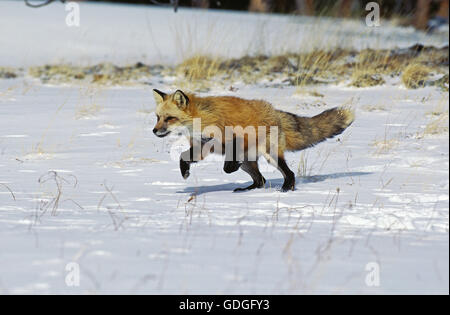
186	159
184	168
232	163
192	156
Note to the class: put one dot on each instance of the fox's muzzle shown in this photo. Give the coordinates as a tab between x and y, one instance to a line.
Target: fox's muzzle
161	133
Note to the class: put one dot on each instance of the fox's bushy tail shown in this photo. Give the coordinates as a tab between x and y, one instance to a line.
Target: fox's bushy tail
304	132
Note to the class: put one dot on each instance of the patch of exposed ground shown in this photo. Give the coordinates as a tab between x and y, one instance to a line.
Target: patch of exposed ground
417	66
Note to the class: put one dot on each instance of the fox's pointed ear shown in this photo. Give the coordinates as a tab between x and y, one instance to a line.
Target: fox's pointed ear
159	96
181	99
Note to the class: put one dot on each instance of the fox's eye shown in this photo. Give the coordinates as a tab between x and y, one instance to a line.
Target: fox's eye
170	118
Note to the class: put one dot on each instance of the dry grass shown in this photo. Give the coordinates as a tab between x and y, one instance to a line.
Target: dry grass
441	108
362	79
321	65
199	68
366	68
8	91
196	72
437	126
101	74
88	111
311	68
8	73
442	83
375	108
415	75
371	65
303	168
386	144
307	92
381	61
89	102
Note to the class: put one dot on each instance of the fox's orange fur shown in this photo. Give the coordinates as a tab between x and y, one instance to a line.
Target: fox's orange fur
294	132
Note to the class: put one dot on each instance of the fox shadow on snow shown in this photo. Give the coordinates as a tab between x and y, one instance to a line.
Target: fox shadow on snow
271	183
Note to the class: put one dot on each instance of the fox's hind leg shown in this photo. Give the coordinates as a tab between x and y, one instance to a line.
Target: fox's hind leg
252	169
231	166
289	177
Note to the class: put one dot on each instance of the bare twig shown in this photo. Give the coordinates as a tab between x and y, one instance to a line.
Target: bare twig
10	191
116	220
56	200
27	2
174	3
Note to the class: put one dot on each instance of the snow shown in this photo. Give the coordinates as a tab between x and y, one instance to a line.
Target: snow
133	225
126	34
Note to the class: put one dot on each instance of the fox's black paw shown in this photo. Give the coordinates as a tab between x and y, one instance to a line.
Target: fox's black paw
184	168
252	186
288	187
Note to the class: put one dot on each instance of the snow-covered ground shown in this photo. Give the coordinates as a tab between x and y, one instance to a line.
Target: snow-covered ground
83	180
127	34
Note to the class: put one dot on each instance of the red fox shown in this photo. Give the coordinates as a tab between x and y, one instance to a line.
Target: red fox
294	132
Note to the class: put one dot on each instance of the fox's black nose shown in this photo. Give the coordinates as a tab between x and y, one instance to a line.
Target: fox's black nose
155	130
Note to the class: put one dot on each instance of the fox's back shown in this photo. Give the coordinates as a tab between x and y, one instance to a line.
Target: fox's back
234	111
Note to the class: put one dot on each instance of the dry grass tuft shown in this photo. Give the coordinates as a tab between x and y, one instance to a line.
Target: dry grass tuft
381	61
364	79
7	73
321	66
196	72
437	126
88	111
375	108
415	75
303	169
442	83
384	146
199	68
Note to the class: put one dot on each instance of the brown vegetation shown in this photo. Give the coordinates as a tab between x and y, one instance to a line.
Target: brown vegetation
366	68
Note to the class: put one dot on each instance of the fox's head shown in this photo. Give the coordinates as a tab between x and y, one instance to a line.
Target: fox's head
171	112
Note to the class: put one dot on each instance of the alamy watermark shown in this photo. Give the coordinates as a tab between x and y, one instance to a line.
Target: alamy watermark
235	142
373	274
72	274
373	17
73	15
